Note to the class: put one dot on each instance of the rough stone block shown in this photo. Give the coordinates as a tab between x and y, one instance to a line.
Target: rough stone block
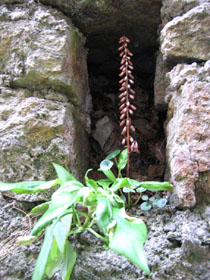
188	134
35	132
187	36
173	8
40	48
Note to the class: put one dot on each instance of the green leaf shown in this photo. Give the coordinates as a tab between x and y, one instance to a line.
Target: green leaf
69	261
122	160
28	186
41	263
156	186
133	183
106	165
61	231
103	213
117	201
124	182
128	190
152	198
54	260
119	183
155	202
89	182
145	206
140	190
63	174
65	195
113	154
145	197
128	238
60	202
40	209
104	183
162	202
72	186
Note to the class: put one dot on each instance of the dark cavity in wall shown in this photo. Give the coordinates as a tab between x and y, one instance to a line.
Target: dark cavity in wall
140	24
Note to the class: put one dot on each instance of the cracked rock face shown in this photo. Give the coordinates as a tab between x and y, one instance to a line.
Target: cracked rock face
35	132
40	49
188	134
187	36
177	248
173	8
43	74
185	87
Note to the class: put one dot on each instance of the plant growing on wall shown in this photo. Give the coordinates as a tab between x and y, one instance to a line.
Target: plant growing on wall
122	233
127	95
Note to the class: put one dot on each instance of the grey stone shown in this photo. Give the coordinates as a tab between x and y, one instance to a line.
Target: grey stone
180	254
160	83
187	36
104	22
183	257
187	129
36	131
40	48
173	8
169	227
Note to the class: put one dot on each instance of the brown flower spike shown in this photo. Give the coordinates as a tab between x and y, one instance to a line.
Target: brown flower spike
126	95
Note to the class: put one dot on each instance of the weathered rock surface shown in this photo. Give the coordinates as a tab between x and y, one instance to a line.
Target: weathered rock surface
177	248
42	68
173	8
40	48
35	132
160	83
13	1
188	36
185	37
103	22
173	251
188	134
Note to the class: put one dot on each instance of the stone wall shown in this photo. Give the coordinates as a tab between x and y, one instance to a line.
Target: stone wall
44	93
182	82
44	110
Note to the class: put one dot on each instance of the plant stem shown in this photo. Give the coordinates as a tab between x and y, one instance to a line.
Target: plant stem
97	235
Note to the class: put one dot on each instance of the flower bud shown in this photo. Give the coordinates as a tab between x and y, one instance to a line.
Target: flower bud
132	128
120	48
122	122
122	116
133	107
132	91
123	105
124	130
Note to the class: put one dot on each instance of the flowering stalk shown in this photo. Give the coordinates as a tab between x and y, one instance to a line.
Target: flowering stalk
126	94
